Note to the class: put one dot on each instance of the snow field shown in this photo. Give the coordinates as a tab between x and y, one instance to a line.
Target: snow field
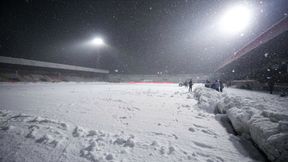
57	139
259	116
111	122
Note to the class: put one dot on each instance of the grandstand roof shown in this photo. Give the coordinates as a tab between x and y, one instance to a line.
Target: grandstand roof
42	64
272	32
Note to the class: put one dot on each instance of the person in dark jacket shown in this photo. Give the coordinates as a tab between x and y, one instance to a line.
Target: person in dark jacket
190	85
213	85
271	84
221	86
216	85
207	83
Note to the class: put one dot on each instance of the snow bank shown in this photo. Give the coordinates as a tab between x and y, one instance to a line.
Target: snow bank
251	116
207	99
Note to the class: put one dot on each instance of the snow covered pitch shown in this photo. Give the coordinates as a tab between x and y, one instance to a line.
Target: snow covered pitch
112	122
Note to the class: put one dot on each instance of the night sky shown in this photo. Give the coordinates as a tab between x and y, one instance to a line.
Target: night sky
142	36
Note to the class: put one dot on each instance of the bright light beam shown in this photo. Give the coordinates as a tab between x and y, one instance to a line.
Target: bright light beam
97	42
235	19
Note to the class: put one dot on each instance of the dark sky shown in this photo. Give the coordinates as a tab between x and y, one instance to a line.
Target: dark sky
142	36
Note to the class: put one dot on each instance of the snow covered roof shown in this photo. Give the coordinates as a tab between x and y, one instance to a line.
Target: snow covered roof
271	33
34	63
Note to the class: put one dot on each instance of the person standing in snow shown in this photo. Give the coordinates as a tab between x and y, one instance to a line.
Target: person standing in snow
221	86
190	85
213	85
207	83
271	84
217	85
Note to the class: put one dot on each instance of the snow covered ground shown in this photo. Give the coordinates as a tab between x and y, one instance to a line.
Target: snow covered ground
260	116
113	122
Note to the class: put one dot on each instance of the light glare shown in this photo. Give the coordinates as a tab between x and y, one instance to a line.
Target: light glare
235	19
97	42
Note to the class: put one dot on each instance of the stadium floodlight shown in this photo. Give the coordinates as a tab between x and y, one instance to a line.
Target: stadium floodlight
235	19
98	41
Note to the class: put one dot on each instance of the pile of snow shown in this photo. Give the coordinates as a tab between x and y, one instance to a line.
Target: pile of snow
262	117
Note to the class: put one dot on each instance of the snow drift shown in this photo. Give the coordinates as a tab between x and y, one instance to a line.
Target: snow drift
257	116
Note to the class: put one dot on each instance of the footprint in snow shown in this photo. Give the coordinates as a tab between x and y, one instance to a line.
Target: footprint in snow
170	150
199	117
202	145
78	132
199	126
122	120
176	137
210	158
186	106
203	129
20	118
207	131
191	129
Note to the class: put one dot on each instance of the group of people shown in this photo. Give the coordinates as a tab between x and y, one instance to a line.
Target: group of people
217	85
